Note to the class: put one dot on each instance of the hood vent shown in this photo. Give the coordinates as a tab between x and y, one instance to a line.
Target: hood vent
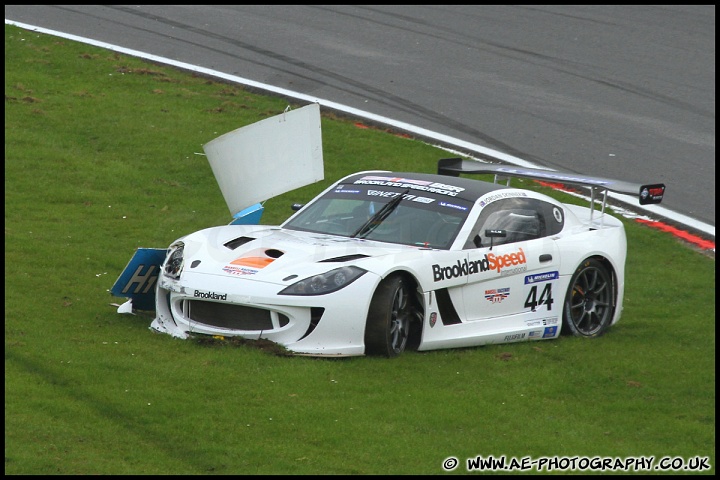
346	258
233	244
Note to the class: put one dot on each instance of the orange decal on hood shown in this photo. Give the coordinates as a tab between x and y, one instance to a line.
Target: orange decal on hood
254	262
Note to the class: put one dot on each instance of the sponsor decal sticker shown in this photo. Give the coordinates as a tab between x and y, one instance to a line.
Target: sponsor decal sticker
541	277
342	189
515	337
488	262
382	193
233	270
450	205
433	319
247	265
498	196
407	197
377	178
535	334
210	295
549	332
421	185
497	295
541	321
651	193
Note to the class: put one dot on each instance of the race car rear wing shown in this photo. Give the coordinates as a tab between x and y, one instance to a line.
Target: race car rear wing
646	194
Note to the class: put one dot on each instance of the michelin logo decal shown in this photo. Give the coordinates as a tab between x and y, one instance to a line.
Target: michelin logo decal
541	277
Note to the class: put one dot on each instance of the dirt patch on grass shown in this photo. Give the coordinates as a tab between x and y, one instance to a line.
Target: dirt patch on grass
262	344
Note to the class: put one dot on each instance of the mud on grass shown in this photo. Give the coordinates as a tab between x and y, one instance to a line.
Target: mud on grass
260	344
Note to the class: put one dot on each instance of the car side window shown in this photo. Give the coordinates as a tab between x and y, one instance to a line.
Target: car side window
521	218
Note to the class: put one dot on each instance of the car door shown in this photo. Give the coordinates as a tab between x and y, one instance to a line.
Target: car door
517	279
517	288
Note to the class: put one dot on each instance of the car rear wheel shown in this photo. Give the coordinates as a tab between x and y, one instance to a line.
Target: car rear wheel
388	323
590	300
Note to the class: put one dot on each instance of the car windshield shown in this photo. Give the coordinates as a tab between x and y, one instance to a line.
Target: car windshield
388	214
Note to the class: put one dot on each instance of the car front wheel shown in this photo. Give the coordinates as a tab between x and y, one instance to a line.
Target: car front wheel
388	323
590	300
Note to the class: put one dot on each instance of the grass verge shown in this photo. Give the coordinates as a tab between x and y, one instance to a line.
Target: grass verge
101	158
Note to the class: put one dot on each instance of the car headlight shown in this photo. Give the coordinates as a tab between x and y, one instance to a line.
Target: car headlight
175	260
327	282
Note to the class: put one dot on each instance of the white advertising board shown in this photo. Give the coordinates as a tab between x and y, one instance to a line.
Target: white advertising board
268	158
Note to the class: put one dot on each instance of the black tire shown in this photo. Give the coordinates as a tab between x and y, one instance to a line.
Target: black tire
590	300
388	322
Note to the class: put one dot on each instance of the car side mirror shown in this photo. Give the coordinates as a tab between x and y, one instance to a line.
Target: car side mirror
297	206
492	234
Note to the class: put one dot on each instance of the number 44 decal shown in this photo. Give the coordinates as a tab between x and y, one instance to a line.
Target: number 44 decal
546	297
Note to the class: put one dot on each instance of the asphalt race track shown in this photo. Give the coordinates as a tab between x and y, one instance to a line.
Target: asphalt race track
624	92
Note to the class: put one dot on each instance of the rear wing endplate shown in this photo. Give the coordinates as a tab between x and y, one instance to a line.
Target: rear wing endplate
646	194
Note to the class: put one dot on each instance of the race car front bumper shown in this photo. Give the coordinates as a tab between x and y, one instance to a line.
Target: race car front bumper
322	325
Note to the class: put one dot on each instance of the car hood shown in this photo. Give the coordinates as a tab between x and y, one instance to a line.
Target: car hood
271	254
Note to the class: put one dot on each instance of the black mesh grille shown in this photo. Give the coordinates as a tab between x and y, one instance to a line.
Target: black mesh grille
234	317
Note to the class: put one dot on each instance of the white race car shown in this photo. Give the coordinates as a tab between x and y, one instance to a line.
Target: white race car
381	262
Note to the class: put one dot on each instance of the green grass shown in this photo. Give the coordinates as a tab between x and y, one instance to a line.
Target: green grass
100	159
